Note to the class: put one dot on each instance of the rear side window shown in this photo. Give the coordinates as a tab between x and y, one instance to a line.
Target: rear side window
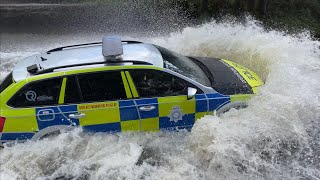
6	82
153	83
38	93
102	86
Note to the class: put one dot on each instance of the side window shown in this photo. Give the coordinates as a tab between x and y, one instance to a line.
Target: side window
102	86
72	94
39	93
153	83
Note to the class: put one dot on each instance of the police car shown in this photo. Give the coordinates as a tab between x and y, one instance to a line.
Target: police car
115	86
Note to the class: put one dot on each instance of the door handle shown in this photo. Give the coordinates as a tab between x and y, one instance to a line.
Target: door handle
147	108
77	116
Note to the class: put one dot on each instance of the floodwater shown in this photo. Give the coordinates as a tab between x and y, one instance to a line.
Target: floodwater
276	137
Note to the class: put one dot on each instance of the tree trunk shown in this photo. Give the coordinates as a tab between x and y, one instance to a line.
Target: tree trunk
251	5
204	7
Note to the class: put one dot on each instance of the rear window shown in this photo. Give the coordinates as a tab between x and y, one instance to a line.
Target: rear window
40	93
102	86
6	82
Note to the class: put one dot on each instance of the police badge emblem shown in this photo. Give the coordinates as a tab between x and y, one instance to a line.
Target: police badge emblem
176	114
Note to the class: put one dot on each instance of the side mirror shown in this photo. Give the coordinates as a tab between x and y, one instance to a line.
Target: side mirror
191	93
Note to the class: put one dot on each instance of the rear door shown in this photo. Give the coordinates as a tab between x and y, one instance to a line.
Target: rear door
35	107
162	102
103	101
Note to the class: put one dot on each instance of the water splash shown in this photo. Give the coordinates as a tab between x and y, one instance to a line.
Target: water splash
276	137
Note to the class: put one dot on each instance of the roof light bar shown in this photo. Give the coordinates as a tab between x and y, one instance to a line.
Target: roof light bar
112	48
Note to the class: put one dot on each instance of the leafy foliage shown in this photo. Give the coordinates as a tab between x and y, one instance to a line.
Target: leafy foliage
291	15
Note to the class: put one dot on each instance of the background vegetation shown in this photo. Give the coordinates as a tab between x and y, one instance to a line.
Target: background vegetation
289	15
292	15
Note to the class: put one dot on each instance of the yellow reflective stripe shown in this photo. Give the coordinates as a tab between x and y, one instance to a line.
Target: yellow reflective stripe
107	68
87	70
62	91
45	76
99	113
132	86
251	77
150	124
166	105
255	90
20	120
200	115
240	97
126	86
132	125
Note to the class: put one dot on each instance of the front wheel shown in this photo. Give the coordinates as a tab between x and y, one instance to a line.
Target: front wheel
227	107
50	135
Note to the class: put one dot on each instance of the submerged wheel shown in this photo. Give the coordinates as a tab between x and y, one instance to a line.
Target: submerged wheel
227	107
51	132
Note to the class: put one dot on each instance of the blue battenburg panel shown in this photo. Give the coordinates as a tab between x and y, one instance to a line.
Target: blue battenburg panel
110	127
201	103
56	115
218	102
69	109
128	110
16	136
147	102
217	95
187	120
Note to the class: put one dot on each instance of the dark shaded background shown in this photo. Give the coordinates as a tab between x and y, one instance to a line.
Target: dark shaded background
151	16
118	17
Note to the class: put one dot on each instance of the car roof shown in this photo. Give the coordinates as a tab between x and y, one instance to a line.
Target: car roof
86	54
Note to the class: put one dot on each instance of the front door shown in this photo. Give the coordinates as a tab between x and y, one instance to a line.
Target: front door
163	103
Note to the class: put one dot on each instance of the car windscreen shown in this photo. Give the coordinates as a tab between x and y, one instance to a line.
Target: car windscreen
6	82
183	65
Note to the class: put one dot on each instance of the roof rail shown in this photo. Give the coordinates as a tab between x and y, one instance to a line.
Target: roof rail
36	71
86	44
